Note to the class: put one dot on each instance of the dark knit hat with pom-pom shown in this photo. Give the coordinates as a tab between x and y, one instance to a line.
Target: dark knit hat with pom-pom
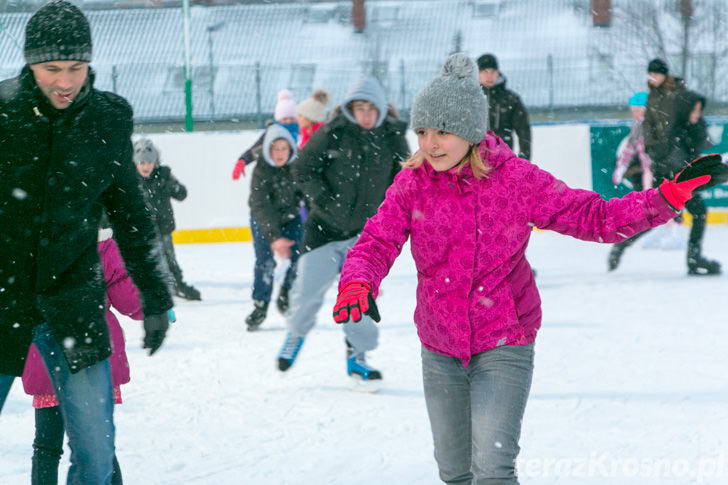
453	101
58	31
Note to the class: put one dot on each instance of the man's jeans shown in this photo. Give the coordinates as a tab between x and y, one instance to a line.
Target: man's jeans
87	406
476	413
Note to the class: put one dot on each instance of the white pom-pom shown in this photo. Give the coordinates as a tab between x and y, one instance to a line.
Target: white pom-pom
460	65
285	95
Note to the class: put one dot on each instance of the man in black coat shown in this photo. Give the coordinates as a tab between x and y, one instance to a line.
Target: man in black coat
66	155
506	113
658	122
660	112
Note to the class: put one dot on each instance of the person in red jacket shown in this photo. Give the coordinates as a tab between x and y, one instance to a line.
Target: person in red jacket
124	297
467	204
311	114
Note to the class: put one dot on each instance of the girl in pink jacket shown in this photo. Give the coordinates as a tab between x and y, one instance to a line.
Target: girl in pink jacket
49	429
468	206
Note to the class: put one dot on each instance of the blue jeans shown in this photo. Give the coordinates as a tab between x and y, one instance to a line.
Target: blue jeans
48	448
5	382
265	263
87	407
475	413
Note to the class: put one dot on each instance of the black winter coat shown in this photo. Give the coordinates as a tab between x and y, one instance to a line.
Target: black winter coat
344	172
686	140
274	198
659	116
507	114
160	188
58	170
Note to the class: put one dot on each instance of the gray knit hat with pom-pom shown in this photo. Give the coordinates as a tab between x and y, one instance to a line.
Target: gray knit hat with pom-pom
453	101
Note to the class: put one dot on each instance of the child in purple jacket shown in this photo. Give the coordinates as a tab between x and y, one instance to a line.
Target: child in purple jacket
468	205
49	428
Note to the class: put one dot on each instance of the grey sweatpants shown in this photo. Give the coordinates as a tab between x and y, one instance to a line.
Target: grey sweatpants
317	270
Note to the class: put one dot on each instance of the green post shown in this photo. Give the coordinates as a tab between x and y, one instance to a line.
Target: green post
189	124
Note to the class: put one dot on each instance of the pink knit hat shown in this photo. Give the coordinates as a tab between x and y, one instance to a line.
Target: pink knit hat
285	106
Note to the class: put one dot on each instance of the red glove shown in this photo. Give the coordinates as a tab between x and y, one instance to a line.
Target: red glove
239	169
701	173
678	193
355	299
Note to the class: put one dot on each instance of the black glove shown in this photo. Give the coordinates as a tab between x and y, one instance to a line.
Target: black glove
706	165
155	328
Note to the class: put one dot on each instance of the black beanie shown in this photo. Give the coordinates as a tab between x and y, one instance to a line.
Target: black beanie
487	61
658	66
58	31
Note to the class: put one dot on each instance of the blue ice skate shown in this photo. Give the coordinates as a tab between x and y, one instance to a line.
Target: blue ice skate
288	353
356	366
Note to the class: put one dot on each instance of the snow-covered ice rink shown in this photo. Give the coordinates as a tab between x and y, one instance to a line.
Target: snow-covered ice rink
630	385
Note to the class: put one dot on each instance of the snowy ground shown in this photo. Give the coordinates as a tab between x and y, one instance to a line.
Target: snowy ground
630	384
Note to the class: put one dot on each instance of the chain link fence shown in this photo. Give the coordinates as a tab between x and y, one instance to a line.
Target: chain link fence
552	53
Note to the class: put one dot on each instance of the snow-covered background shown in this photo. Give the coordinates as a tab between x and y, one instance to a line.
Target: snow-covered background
630	384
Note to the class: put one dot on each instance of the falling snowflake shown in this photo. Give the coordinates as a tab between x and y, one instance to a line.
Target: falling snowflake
19	193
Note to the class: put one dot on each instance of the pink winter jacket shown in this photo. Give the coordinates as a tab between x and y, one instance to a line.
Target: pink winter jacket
124	297
475	290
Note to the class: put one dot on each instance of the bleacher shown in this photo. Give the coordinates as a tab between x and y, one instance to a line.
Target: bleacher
242	54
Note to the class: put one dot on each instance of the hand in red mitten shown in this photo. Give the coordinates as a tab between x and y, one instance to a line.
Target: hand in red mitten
239	169
700	174
355	299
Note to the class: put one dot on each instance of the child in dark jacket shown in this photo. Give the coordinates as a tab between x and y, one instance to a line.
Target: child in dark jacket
49	428
275	220
468	205
160	186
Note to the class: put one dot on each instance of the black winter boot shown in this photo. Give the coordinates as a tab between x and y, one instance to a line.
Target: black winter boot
188	292
282	301
256	318
698	265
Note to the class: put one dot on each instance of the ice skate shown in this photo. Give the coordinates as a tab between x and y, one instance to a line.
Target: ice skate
288	353
364	378
256	318
703	267
698	265
188	292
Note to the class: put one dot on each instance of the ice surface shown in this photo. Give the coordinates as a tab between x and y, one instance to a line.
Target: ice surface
630	383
